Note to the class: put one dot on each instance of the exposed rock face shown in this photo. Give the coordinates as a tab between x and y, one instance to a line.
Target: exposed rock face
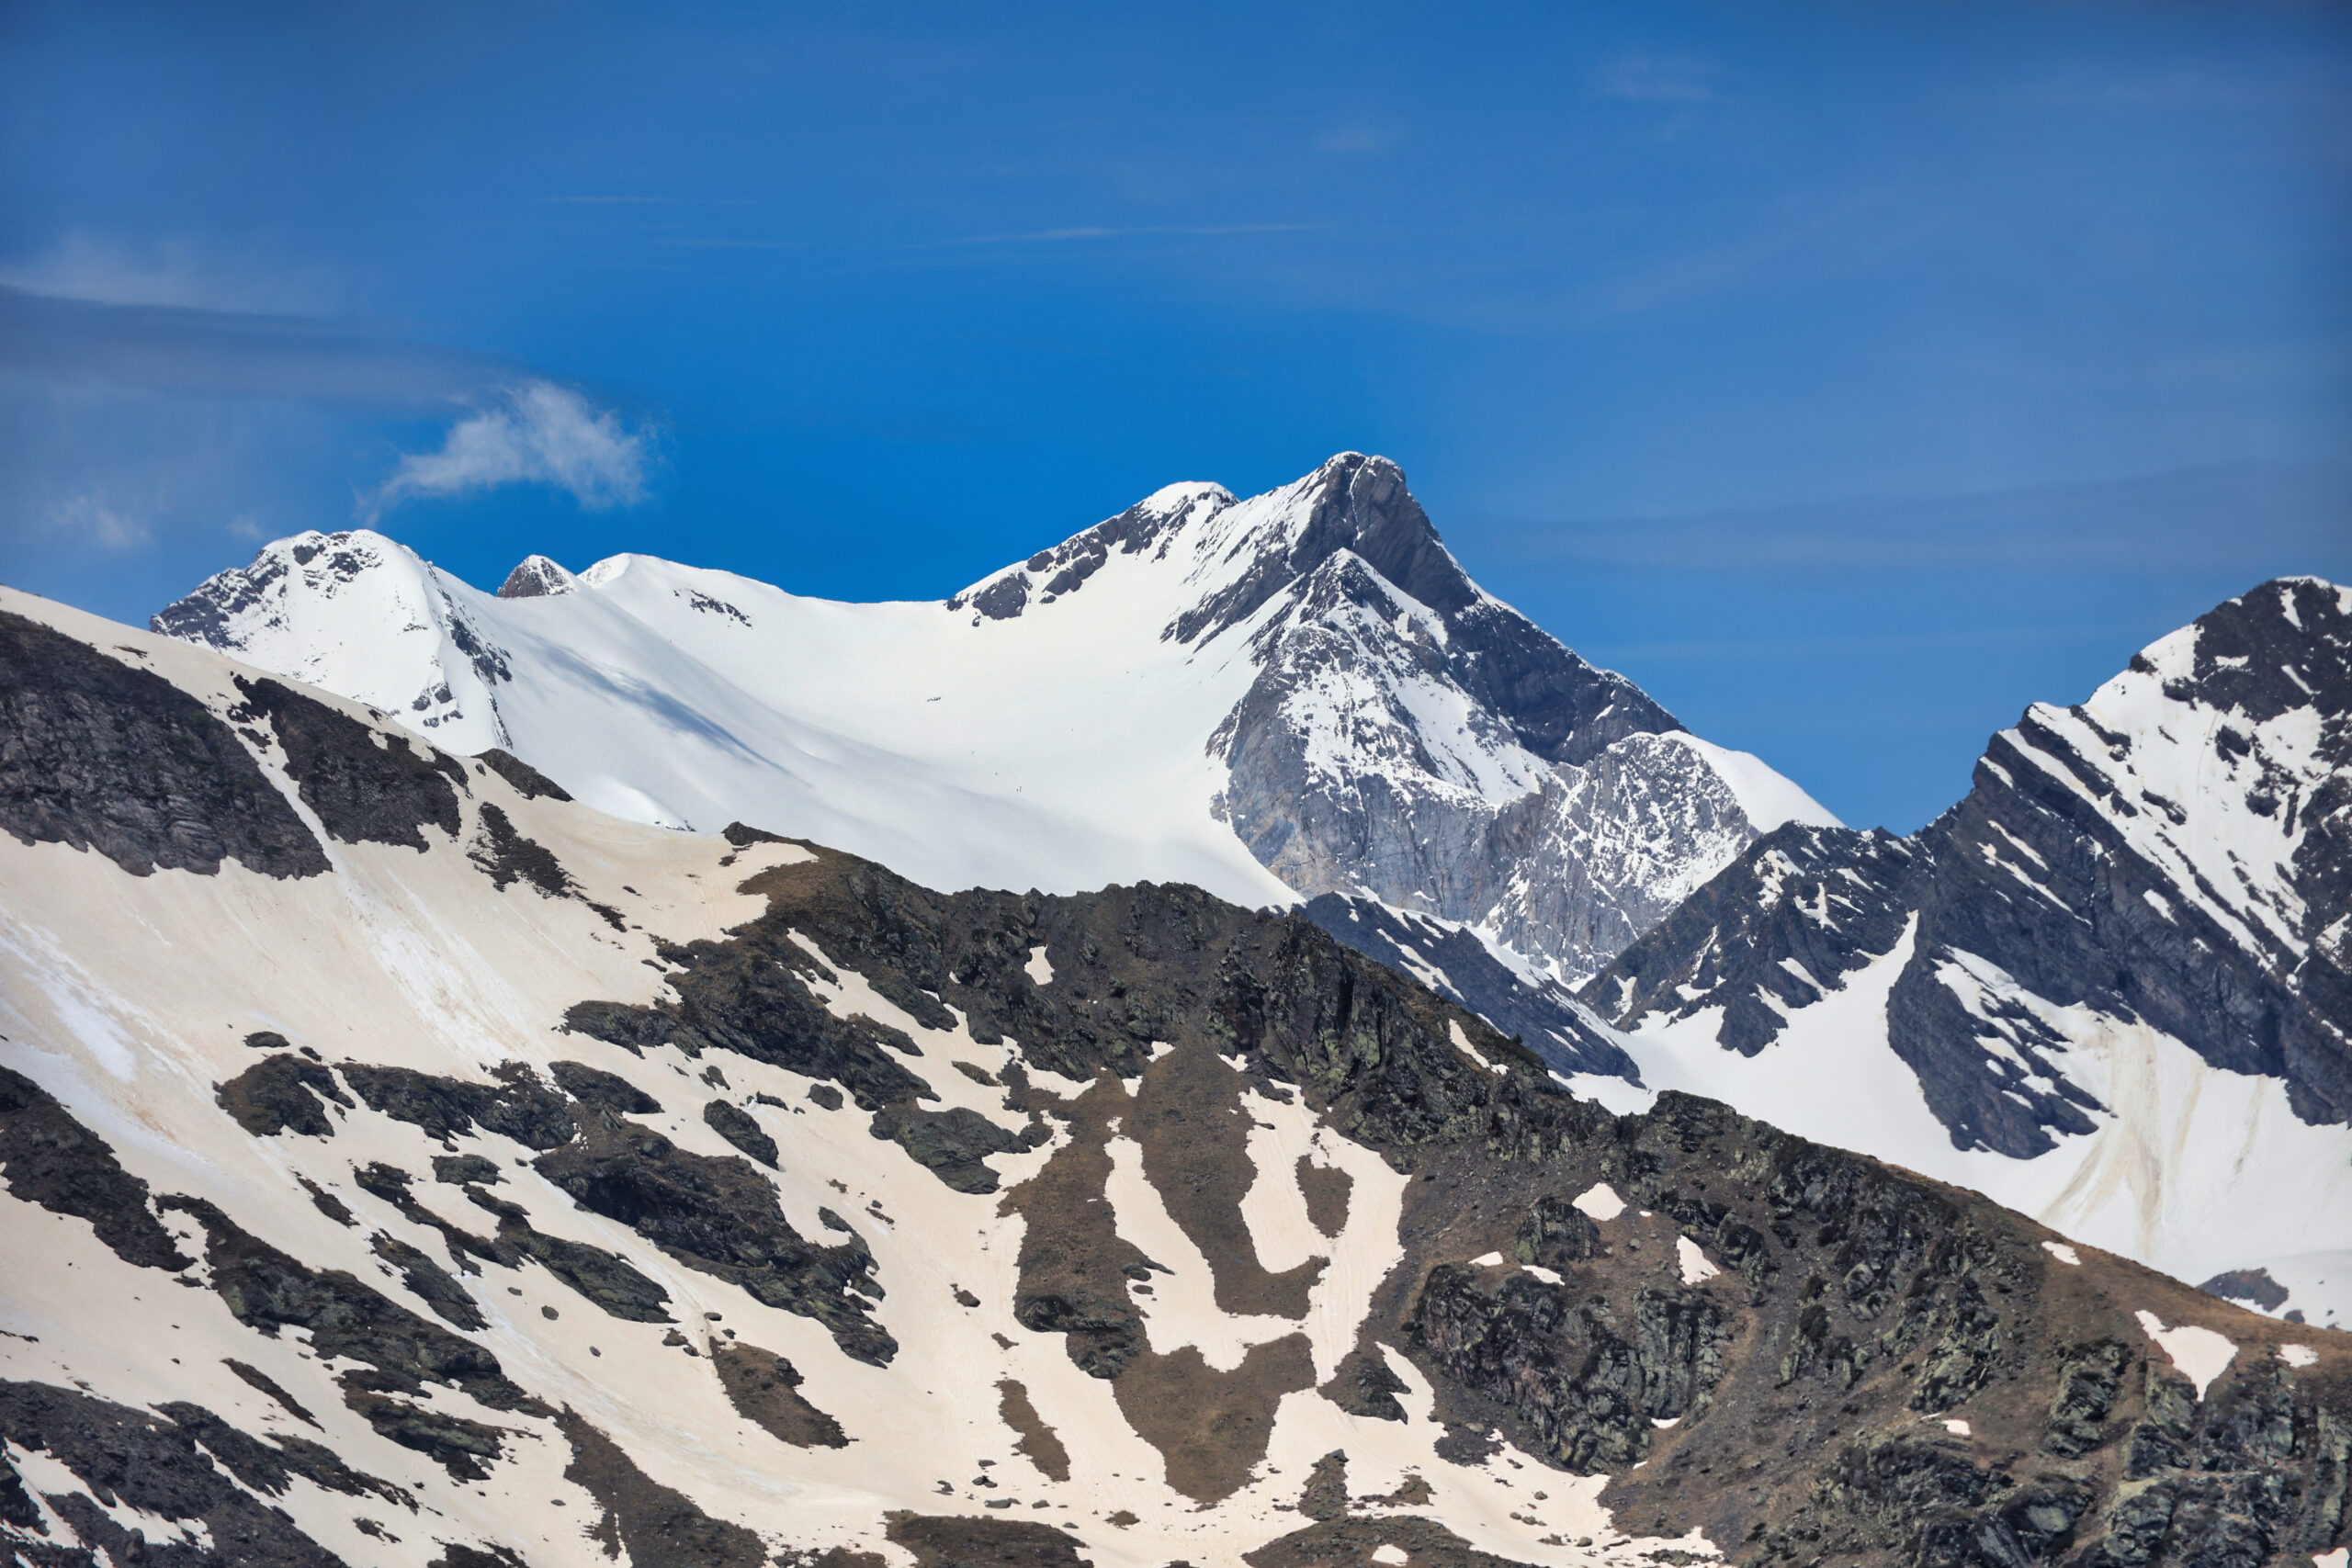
1406	736
1260	1224
1353	715
313	591
536	577
2069	877
1537	1011
2168	858
102	755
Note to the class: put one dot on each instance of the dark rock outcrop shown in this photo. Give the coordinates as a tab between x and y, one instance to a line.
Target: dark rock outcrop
49	1158
365	786
721	1217
180	1468
104	756
529	781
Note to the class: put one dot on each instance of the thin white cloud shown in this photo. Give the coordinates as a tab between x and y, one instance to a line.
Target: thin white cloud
697	244
1650	79
648	202
1054	236
1357	137
98	270
93	518
533	434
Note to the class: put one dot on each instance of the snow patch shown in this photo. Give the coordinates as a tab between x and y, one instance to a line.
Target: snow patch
2062	1253
1697	1267
2200	1353
1599	1202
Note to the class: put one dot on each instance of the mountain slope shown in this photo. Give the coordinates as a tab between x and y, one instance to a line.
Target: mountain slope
1295	693
426	1167
2109	986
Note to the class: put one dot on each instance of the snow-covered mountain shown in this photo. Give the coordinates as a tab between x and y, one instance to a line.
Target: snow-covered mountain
2112	987
1302	695
404	1164
1284	696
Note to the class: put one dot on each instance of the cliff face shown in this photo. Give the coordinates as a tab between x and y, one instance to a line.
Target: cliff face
2120	950
530	1185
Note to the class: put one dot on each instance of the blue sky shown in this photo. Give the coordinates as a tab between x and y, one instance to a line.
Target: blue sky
1850	376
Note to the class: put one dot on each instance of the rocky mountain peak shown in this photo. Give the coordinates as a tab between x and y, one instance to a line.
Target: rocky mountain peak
536	1187
221	610
537	576
2284	645
1353	503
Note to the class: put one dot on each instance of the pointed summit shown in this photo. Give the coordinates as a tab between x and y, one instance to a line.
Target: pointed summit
537	576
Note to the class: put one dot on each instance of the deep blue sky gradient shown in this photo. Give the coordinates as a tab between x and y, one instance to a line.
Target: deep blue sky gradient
1850	376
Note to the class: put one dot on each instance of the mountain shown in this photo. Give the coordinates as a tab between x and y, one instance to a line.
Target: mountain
405	1162
2111	988
1284	696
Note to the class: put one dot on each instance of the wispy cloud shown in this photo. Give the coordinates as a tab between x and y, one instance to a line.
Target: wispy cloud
1653	79
91	518
701	244
1357	137
70	340
1062	236
2232	517
537	433
94	269
648	202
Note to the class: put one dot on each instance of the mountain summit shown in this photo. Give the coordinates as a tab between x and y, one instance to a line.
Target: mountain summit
2112	985
1296	693
407	1165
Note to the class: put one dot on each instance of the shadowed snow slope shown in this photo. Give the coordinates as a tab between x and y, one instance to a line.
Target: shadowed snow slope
2111	988
1293	694
407	1165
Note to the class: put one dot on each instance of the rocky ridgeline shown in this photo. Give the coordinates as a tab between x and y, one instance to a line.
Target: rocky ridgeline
1799	1353
2071	872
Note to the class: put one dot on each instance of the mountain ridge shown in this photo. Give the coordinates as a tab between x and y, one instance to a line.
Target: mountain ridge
1234	647
2166	862
1173	1230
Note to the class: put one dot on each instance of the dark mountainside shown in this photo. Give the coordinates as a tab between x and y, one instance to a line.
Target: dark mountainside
1884	1370
1807	1384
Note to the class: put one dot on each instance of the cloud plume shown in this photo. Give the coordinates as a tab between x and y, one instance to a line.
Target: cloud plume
537	433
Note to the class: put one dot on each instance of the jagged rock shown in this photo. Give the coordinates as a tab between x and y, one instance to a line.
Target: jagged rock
600	1090
156	1467
266	1289
282	1093
50	1158
741	1128
765	1391
721	1217
507	856
517	1105
536	577
364	788
98	754
529	781
950	1145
